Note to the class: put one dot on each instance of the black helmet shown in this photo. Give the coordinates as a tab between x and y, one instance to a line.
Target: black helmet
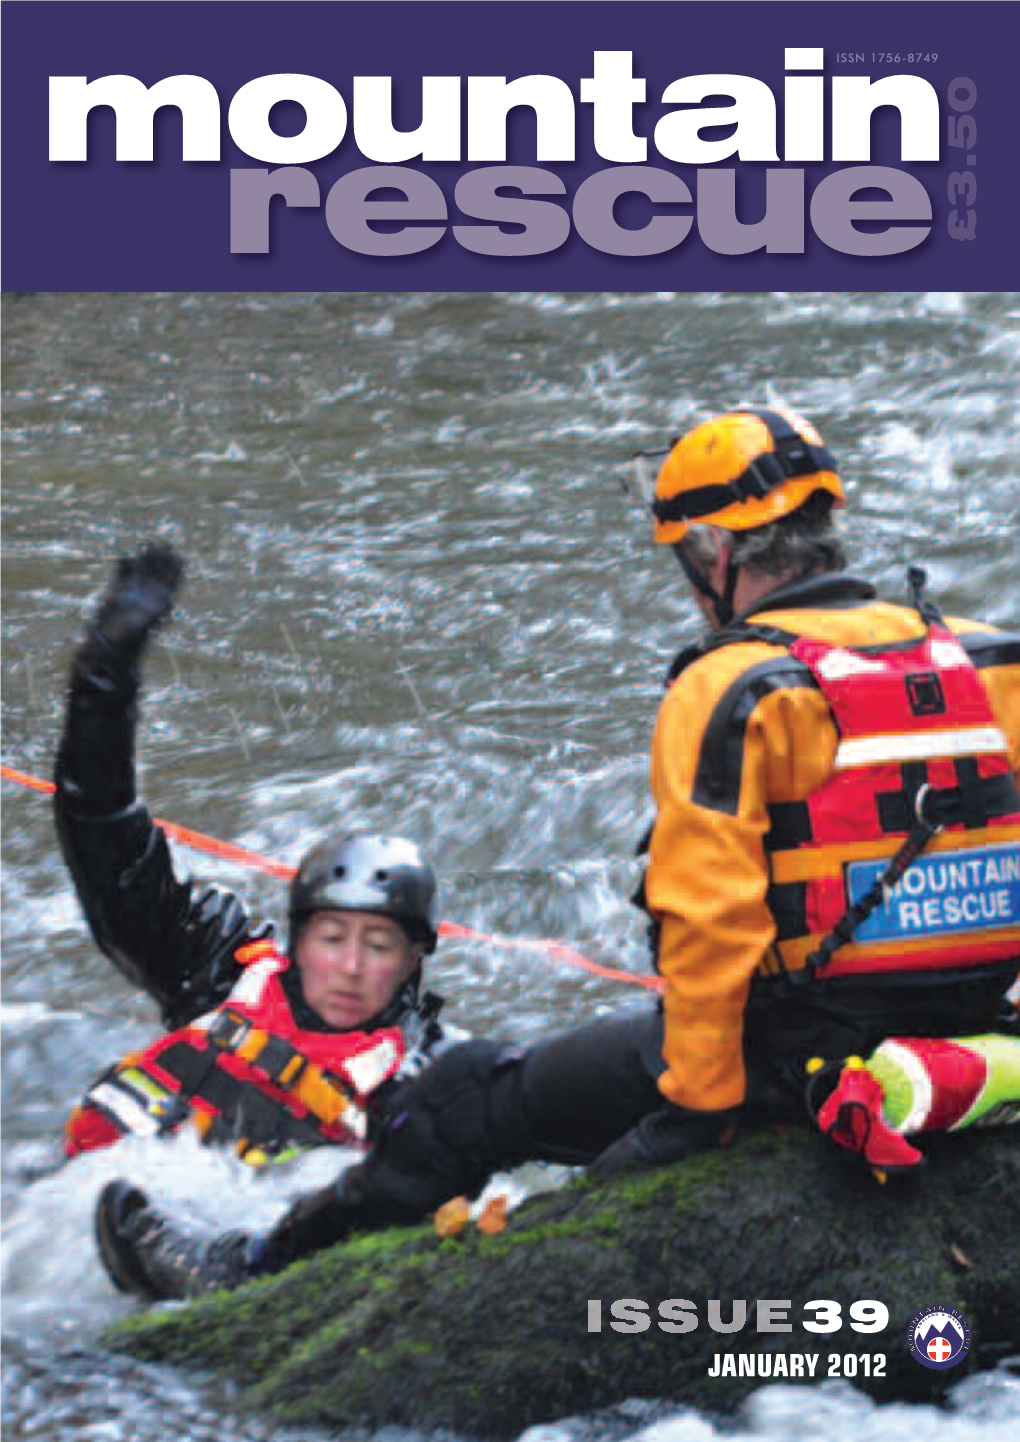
362	872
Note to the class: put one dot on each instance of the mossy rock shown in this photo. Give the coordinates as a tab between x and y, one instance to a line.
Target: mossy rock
488	1335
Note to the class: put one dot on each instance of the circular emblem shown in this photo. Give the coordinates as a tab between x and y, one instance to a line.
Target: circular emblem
938	1337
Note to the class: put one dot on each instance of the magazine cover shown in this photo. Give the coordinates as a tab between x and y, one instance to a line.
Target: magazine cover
511	836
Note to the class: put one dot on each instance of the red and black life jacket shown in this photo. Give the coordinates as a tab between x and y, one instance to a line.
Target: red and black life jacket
245	1074
917	736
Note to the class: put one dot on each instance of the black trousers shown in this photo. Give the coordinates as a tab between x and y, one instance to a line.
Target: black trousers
485	1106
482	1107
581	1089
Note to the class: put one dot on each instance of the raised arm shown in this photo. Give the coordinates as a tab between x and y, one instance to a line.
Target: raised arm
178	947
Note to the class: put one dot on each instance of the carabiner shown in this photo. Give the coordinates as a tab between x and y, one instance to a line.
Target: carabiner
933	827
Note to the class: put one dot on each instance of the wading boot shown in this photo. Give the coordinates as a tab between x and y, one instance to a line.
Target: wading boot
147	1255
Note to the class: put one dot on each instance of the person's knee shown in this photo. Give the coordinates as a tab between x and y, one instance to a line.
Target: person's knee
584	1087
459	1122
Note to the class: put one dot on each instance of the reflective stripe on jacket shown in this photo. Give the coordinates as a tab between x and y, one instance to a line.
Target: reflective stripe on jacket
744	731
244	1073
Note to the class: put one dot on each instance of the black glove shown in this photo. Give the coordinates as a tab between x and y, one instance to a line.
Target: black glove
95	763
660	1137
140	596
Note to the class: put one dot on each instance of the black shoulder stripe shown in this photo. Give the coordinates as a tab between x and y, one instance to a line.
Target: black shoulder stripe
721	760
730	635
990	648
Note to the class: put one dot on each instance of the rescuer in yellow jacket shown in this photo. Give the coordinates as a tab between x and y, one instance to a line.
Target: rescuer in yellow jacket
813	738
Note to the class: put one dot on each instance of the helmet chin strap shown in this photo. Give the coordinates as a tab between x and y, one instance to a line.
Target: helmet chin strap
722	605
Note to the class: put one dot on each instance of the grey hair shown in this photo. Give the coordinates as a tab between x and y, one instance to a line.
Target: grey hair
802	544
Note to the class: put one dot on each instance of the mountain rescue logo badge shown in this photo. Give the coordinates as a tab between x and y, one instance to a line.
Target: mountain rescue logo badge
939	1337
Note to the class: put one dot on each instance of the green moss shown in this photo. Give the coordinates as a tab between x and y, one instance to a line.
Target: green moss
488	1335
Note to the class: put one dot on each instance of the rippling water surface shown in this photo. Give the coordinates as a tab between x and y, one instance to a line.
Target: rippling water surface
417	600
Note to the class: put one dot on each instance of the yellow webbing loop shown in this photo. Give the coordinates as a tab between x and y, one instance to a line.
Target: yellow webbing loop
305	1080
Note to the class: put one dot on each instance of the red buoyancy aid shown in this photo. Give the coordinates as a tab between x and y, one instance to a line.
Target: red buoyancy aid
245	1073
916	734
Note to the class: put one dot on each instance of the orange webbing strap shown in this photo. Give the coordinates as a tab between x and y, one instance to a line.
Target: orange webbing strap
327	1101
202	1121
255	951
324	1095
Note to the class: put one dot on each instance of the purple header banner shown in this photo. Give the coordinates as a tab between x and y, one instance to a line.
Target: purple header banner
492	146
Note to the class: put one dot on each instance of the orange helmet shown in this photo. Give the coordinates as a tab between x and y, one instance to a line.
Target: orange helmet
742	470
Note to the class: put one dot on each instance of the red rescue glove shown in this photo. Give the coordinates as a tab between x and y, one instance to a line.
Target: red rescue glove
852	1117
661	1137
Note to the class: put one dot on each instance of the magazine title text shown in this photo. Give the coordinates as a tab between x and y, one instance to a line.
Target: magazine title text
466	119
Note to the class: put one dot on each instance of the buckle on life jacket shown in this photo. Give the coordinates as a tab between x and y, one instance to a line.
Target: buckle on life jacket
327	1095
229	1031
279	1061
271	1055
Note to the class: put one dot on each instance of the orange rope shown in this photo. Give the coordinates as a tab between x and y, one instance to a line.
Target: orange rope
552	948
23	779
198	841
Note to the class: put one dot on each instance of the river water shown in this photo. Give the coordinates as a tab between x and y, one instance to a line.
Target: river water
417	600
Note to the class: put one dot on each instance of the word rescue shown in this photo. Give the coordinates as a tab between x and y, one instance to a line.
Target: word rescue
939	894
498	195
